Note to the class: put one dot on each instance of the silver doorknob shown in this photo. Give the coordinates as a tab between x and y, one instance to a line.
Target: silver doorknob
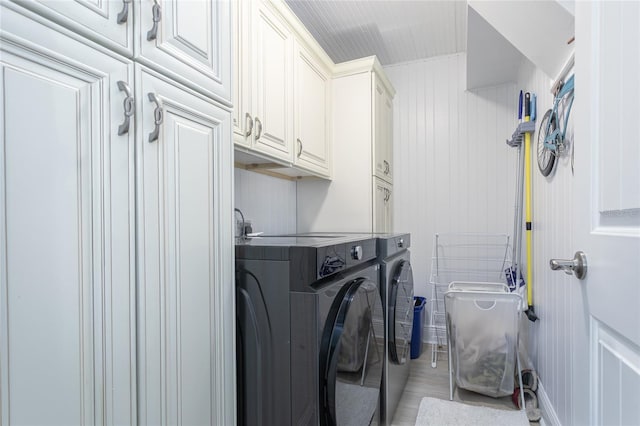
576	266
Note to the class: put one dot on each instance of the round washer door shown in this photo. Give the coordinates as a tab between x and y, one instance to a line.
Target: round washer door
400	312
351	357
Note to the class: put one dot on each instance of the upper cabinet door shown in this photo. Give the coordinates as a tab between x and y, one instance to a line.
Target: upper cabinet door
312	100
382	116
184	158
67	248
272	94
107	22
188	40
242	115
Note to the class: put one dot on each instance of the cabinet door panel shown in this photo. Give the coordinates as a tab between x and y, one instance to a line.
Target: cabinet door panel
273	83
382	206
96	20
184	257
383	127
192	43
66	236
312	101
242	118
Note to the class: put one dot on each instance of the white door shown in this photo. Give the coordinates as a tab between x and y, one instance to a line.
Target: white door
381	206
272	94
242	118
607	193
186	328
188	40
108	22
383	116
312	102
67	252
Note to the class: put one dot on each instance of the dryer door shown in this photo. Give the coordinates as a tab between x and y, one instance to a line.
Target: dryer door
400	312
351	356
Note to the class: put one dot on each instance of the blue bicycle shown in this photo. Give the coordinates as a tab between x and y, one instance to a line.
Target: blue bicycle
552	131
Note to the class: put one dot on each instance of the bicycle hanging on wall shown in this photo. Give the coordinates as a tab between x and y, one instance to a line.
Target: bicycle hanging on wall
553	128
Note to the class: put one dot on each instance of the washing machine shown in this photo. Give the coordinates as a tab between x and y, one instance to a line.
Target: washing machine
307	350
396	289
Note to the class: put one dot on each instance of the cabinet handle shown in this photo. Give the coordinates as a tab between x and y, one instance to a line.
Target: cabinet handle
259	126
158	115
124	13
128	107
386	167
300	147
248	132
152	34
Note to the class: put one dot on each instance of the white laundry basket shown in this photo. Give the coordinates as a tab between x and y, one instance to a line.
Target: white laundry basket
482	328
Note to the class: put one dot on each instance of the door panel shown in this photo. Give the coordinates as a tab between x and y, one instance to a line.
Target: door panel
181	267
96	20
312	102
66	241
273	84
607	197
383	128
193	43
401	313
382	207
351	357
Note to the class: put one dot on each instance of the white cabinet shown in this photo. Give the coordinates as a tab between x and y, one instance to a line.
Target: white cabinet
184	253
282	91
67	251
185	39
100	247
382	211
189	41
383	125
313	101
272	83
356	199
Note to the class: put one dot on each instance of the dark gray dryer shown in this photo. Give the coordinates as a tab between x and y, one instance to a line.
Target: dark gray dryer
307	351
396	286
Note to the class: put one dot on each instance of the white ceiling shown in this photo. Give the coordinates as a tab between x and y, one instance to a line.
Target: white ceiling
394	30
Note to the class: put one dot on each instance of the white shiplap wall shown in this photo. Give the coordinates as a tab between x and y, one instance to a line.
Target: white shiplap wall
453	169
553	292
270	203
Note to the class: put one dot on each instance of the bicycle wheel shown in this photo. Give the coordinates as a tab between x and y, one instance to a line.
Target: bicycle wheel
546	157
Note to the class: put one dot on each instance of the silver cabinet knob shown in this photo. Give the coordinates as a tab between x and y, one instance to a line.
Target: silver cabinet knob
576	266
356	252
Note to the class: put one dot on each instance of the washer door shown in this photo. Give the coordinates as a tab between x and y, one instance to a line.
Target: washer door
400	312
351	357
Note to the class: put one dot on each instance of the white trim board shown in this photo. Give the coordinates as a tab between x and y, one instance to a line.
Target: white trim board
549	415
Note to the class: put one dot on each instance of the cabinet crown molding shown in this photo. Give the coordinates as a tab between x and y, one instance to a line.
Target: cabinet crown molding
368	64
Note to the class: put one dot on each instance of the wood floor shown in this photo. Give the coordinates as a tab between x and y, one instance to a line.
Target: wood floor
434	382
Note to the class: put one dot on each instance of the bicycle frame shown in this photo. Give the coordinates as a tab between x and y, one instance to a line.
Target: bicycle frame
554	141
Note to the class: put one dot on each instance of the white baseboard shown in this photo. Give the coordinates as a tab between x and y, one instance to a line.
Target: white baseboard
549	416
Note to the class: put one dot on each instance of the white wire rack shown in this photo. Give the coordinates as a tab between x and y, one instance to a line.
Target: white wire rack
462	257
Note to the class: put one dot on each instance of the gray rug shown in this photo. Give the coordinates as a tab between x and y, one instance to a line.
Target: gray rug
440	412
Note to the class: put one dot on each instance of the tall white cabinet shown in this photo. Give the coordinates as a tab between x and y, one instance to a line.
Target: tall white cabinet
360	196
116	283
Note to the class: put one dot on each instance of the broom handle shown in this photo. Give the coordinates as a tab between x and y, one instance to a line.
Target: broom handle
527	173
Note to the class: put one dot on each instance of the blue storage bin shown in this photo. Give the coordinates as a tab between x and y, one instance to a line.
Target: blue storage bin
418	326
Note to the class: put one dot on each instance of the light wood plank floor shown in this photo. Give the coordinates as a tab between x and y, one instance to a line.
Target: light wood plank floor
434	382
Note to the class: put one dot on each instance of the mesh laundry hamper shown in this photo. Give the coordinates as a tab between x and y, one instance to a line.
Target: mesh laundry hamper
482	329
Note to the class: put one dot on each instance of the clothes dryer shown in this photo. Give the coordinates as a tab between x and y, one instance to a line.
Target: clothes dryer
396	288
